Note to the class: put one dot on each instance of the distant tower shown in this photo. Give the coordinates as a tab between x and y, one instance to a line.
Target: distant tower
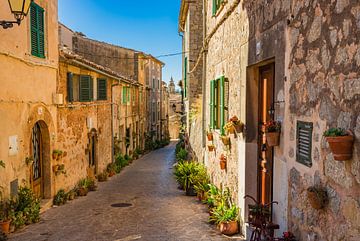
172	86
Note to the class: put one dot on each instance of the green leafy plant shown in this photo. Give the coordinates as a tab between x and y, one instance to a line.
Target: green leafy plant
28	204
189	173
182	155
222	213
335	132
60	198
103	177
120	162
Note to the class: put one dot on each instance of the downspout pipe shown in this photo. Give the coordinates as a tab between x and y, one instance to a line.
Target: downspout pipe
204	77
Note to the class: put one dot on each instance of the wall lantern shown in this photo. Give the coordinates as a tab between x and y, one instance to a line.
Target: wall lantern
20	9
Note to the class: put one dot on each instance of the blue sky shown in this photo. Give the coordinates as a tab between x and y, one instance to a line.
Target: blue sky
148	26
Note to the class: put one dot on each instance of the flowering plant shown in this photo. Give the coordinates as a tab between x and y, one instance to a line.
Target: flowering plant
273	126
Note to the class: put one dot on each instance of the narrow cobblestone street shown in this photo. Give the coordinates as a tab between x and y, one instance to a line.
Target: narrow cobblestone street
159	210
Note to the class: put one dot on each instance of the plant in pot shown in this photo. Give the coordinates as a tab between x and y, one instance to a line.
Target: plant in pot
226	218
272	132
91	183
57	154
201	182
317	196
72	194
223	161
60	198
82	188
238	125
5	217
211	147
340	142
111	169
229	127
225	140
102	177
185	173
210	136
182	155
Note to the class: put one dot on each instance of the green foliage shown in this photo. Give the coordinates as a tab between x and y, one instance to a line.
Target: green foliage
222	213
28	204
111	167
58	152
180	145
60	198
212	195
201	180
84	183
190	174
120	162
335	132
102	177
182	155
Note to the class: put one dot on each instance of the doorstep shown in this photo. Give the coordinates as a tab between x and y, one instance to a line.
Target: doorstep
45	204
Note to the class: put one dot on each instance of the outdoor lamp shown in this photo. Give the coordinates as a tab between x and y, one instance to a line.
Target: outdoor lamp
20	9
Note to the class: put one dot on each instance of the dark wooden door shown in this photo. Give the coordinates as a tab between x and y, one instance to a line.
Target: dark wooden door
266	102
37	155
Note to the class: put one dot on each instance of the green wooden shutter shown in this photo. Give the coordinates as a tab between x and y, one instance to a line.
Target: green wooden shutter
222	105
70	90
101	89
85	88
214	7
212	110
185	76
37	30
91	94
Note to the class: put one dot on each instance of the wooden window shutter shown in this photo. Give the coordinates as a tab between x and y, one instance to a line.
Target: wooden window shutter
101	89
37	30
85	88
222	105
304	142
91	94
123	94
70	88
212	109
214	7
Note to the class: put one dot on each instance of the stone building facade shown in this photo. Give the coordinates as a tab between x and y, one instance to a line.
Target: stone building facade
306	55
175	110
28	76
191	27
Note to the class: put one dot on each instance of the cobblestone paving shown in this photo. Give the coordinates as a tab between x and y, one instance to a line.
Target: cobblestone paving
159	210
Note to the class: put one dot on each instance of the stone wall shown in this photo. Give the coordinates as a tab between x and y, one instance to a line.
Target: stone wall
324	88
74	123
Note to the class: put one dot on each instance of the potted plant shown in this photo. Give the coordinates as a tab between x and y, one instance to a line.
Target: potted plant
60	198
111	167
210	136
272	132
229	127
211	147
223	161
238	125
57	154
201	182
340	142
102	177
317	196
82	189
225	140
5	216
184	174
71	194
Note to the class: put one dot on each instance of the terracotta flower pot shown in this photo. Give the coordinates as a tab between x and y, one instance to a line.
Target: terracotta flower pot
5	226
211	148
317	198
239	128
229	228
341	147
82	191
273	138
225	140
210	136
223	164
54	156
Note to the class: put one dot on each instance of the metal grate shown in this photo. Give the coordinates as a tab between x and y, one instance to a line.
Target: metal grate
304	143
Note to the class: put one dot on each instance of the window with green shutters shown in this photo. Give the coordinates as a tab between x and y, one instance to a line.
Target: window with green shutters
218	104
126	95
185	76
70	89
86	88
101	89
37	30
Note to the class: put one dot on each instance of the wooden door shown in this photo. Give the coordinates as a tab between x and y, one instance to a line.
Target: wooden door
266	102
92	152
37	167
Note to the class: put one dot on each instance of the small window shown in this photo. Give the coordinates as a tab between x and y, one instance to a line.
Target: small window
79	88
101	89
304	143
37	30
86	88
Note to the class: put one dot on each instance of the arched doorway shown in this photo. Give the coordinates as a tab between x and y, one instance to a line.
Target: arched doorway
40	149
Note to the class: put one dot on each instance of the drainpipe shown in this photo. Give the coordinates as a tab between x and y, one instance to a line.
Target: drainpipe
204	78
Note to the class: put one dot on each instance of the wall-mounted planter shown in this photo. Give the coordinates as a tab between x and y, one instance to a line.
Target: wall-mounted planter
341	147
273	138
317	197
239	128
225	140
211	148
223	162
210	136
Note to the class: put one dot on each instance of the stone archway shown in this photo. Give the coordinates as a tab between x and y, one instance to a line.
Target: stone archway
93	150
40	171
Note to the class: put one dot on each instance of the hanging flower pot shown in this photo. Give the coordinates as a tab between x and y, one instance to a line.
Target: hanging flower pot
223	161
225	140
5	226
210	136
239	127
229	228
229	127
211	148
317	197
340	142
273	138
